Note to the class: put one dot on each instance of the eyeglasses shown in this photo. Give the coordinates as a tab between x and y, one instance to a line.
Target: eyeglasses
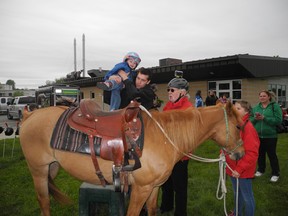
172	90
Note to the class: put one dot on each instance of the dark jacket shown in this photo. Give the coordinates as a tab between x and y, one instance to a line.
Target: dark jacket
130	92
211	100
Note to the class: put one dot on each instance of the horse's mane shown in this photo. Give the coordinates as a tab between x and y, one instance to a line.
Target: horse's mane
181	126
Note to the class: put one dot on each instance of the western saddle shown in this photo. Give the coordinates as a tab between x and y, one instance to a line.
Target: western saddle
118	131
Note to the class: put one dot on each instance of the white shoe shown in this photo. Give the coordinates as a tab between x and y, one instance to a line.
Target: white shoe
258	174
274	178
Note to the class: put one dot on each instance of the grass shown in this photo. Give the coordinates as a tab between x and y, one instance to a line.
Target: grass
17	195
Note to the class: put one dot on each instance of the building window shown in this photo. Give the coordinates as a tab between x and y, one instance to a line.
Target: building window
92	95
280	92
231	88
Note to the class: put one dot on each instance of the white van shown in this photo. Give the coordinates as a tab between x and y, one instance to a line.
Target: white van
3	104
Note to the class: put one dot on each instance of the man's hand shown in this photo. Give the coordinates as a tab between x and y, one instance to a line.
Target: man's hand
123	75
115	78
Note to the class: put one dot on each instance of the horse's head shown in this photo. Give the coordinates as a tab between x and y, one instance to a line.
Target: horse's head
227	133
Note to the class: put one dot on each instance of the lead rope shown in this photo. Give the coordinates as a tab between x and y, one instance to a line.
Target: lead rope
221	160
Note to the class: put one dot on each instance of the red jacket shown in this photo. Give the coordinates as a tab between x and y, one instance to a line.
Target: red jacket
246	166
182	104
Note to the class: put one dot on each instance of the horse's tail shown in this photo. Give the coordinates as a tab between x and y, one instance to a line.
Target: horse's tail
57	194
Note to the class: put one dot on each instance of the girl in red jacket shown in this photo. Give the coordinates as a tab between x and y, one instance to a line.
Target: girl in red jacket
244	169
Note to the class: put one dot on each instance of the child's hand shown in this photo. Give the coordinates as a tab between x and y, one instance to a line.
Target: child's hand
235	174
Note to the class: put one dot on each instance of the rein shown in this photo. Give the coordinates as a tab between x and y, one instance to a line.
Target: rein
221	159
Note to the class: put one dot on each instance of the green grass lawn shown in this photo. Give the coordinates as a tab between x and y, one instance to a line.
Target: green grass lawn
17	196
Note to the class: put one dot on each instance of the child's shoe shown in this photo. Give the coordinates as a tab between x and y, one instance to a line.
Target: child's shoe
104	85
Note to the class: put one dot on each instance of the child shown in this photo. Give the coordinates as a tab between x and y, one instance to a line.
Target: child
130	62
198	99
244	169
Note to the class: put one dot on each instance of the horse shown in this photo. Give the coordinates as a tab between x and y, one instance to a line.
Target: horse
168	136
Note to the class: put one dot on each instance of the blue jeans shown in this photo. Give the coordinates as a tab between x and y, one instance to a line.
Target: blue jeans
245	196
115	89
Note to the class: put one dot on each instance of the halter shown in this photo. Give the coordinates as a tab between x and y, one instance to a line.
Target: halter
238	143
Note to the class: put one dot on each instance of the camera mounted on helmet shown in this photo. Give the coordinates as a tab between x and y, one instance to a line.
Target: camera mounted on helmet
179	82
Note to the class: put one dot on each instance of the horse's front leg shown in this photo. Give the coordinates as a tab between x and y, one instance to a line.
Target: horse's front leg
151	203
138	197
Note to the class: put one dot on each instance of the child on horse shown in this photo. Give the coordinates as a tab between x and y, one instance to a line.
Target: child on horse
130	62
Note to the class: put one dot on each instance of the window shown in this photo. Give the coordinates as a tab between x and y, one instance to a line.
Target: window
280	92
231	88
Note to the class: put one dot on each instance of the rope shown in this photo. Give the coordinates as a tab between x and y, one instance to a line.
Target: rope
221	160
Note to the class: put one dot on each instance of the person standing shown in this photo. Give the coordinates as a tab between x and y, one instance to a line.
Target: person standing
198	99
244	169
223	99
266	115
211	98
141	89
177	183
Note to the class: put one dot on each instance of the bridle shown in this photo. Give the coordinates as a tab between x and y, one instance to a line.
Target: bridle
238	143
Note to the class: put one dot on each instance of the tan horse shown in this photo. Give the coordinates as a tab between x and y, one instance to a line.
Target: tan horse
186	129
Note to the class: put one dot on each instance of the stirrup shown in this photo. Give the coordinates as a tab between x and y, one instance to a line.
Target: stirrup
116	177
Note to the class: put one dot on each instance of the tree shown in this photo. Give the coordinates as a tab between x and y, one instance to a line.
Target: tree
18	93
12	83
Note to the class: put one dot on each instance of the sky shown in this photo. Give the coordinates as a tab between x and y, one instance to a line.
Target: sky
37	36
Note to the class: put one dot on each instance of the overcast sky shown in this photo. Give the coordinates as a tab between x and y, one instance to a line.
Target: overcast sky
36	36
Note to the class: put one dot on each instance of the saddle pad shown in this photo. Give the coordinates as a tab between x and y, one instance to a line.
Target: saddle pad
67	139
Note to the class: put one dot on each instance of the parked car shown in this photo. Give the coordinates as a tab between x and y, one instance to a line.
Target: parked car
15	108
3	104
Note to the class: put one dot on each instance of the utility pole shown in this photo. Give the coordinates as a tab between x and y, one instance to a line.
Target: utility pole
83	41
75	66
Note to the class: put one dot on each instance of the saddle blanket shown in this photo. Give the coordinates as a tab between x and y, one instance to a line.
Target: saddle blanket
67	139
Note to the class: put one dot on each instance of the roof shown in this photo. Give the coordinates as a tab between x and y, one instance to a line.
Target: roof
229	67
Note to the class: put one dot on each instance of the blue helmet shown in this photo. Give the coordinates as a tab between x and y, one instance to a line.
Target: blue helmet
133	55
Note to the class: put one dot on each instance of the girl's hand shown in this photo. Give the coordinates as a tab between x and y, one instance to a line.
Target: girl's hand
235	174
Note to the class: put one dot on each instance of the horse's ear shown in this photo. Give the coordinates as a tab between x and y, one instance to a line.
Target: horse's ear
218	102
230	109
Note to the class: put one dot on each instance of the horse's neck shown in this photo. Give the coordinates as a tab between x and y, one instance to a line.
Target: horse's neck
210	117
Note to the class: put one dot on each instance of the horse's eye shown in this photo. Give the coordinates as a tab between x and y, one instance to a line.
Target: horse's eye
238	127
